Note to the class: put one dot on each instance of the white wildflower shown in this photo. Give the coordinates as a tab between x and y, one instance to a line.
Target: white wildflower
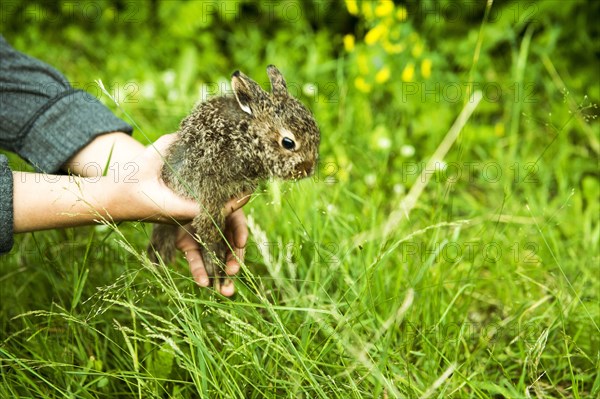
407	150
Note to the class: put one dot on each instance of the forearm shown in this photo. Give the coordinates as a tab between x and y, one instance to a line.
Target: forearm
112	151
48	201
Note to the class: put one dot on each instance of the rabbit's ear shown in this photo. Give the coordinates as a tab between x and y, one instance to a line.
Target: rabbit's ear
278	86
247	92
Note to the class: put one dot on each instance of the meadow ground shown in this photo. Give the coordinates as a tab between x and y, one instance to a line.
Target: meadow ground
420	261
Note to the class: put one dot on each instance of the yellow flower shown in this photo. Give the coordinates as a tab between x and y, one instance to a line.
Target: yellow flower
343	174
383	75
352	7
499	129
367	10
408	73
362	85
401	14
342	166
363	64
349	43
393	48
384	8
417	50
375	34
426	68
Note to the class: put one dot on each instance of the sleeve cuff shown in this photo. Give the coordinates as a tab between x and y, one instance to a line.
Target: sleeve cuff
65	125
6	206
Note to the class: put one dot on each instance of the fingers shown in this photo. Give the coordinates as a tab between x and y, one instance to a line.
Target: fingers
155	152
237	235
191	248
164	142
194	259
227	288
188	245
232	265
236	223
236	232
199	274
201	277
180	210
168	205
236	203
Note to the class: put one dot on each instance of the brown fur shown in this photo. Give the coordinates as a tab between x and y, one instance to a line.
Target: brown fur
226	146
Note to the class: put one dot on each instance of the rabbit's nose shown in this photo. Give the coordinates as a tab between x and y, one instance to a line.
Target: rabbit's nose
305	168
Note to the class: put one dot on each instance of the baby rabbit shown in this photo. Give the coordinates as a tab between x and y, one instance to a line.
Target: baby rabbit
225	147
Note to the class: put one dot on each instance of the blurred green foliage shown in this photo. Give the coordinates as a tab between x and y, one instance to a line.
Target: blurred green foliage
386	81
161	56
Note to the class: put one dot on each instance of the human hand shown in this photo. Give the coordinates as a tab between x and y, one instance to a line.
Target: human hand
236	232
145	196
86	195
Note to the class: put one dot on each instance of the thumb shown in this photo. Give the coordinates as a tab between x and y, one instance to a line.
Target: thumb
164	142
236	203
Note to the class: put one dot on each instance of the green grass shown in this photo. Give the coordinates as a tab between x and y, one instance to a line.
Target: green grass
486	287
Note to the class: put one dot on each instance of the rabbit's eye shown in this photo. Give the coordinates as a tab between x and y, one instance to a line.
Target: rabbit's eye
288	143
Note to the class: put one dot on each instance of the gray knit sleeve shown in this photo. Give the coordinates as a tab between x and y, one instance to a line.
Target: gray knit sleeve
42	118
6	206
